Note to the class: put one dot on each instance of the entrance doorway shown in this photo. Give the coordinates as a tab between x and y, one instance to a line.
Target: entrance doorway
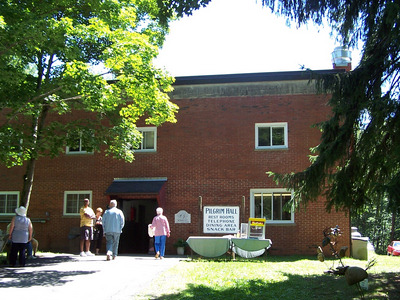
138	214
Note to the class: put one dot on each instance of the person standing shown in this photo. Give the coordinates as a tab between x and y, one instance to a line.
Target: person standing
20	234
32	246
97	232
113	222
86	228
161	232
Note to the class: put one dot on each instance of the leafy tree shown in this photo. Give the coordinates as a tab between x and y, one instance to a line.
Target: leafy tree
378	225
178	8
49	52
357	162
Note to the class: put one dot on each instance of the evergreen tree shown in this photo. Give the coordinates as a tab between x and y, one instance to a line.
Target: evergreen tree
357	162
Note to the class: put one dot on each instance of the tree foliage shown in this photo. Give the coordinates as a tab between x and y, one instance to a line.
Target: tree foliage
358	159
380	226
51	94
178	8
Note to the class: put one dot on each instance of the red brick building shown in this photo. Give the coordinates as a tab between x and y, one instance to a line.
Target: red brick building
231	130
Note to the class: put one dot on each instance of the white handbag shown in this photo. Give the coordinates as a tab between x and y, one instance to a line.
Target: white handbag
150	230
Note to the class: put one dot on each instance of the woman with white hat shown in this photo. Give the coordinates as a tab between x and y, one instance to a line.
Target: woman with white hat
20	234
161	232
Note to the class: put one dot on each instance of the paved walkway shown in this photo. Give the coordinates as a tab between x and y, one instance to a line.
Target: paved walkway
67	276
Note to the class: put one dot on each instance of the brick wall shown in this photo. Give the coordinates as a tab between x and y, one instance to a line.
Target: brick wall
210	152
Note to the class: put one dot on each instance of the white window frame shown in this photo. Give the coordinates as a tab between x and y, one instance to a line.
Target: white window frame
80	202
80	151
18	199
269	191
272	125
148	129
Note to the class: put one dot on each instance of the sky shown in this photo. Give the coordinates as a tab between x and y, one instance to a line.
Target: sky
240	36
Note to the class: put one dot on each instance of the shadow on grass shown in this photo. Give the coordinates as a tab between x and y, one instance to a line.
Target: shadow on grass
386	284
293	287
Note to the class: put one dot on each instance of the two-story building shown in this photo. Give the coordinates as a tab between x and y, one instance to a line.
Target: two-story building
231	130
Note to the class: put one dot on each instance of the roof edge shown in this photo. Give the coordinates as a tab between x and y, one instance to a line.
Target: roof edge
253	77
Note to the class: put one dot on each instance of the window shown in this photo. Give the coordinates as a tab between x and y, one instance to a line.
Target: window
149	141
78	147
73	201
8	202
271	205
271	136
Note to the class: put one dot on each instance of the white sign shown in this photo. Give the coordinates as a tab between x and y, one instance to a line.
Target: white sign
182	216
221	219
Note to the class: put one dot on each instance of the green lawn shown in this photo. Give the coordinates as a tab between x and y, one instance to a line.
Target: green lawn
292	277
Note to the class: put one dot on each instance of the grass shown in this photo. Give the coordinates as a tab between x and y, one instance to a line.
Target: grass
291	278
273	277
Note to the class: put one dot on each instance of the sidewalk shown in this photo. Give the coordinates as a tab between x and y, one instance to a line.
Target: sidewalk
67	276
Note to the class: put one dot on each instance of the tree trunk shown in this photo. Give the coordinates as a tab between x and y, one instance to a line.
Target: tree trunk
393	229
37	128
28	182
38	121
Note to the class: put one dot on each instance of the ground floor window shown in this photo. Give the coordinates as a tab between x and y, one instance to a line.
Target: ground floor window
8	202
73	201
271	204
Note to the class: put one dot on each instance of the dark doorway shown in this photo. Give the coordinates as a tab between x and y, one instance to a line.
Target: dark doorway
138	214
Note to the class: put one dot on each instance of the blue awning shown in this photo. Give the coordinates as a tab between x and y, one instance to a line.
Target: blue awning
136	186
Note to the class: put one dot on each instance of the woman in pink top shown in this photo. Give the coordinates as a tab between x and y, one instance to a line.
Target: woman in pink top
161	232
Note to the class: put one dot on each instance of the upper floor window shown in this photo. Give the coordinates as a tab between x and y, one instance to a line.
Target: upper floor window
73	201
78	147
149	141
271	135
271	204
8	202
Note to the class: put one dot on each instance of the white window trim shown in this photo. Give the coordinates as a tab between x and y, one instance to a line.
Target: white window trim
280	124
75	192
148	129
18	200
277	190
68	151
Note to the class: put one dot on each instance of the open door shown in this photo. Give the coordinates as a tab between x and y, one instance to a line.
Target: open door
138	198
138	214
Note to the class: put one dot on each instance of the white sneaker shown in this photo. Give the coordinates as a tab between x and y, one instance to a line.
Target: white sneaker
82	254
89	253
